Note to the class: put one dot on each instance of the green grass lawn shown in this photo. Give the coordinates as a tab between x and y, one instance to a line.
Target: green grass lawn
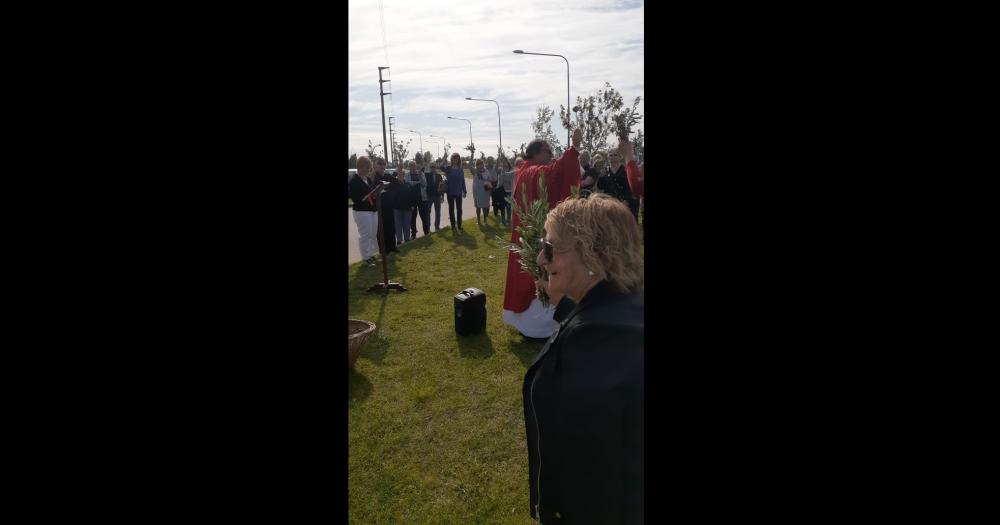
436	429
435	421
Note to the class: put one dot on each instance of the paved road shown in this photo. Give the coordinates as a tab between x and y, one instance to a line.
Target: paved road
468	213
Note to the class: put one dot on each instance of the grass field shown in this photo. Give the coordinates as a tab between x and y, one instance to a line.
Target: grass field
436	429
435	421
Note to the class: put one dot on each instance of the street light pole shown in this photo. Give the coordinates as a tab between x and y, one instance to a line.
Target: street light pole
520	52
443	139
421	140
499	130
438	144
472	150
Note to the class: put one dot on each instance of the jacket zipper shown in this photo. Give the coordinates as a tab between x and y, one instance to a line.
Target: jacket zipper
538	446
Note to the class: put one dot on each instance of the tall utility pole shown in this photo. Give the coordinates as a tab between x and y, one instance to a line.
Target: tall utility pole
381	99
392	138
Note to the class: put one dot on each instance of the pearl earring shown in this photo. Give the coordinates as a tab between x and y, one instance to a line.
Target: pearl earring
590	274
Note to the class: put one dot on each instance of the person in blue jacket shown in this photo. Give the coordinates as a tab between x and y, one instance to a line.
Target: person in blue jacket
455	177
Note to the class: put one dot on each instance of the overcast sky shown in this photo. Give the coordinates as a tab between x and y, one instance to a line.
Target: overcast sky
441	51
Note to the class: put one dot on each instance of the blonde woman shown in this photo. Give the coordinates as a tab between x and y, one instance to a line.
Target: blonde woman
583	396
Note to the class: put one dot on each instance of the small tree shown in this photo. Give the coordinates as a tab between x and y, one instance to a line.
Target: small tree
601	115
372	150
638	146
400	150
352	162
542	127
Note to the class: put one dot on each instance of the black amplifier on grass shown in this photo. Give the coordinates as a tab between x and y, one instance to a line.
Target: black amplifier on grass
470	311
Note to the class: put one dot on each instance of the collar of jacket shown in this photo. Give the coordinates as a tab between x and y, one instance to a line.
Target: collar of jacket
598	294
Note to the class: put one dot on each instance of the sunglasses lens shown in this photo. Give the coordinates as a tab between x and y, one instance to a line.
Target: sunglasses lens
547	250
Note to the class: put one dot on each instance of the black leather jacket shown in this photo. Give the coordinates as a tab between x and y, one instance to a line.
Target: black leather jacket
359	188
583	412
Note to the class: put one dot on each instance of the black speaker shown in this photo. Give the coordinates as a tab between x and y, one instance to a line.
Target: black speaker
470	311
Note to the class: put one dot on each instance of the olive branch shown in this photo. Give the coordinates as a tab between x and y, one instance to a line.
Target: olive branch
530	229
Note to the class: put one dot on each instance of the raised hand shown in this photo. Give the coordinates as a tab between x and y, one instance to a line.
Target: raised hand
577	137
625	149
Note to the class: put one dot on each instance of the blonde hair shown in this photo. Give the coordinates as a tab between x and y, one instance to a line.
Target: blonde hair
605	235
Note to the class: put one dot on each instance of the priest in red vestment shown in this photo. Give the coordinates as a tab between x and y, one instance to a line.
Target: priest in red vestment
521	308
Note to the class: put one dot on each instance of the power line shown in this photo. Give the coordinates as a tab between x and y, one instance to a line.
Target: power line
385	46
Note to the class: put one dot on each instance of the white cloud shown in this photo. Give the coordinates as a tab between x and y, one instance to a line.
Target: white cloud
442	51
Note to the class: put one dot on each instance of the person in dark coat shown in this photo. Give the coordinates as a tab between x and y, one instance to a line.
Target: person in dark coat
620	176
589	176
454	176
583	395
362	186
434	195
417	176
388	240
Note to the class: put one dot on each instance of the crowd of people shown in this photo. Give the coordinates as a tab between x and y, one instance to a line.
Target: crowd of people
583	394
417	190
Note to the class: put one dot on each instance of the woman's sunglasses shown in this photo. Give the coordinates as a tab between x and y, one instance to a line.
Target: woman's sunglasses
547	249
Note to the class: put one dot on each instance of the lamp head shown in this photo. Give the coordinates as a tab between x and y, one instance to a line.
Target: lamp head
519	51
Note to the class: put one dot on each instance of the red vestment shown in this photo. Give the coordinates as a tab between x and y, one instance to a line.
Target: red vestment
560	175
635	182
